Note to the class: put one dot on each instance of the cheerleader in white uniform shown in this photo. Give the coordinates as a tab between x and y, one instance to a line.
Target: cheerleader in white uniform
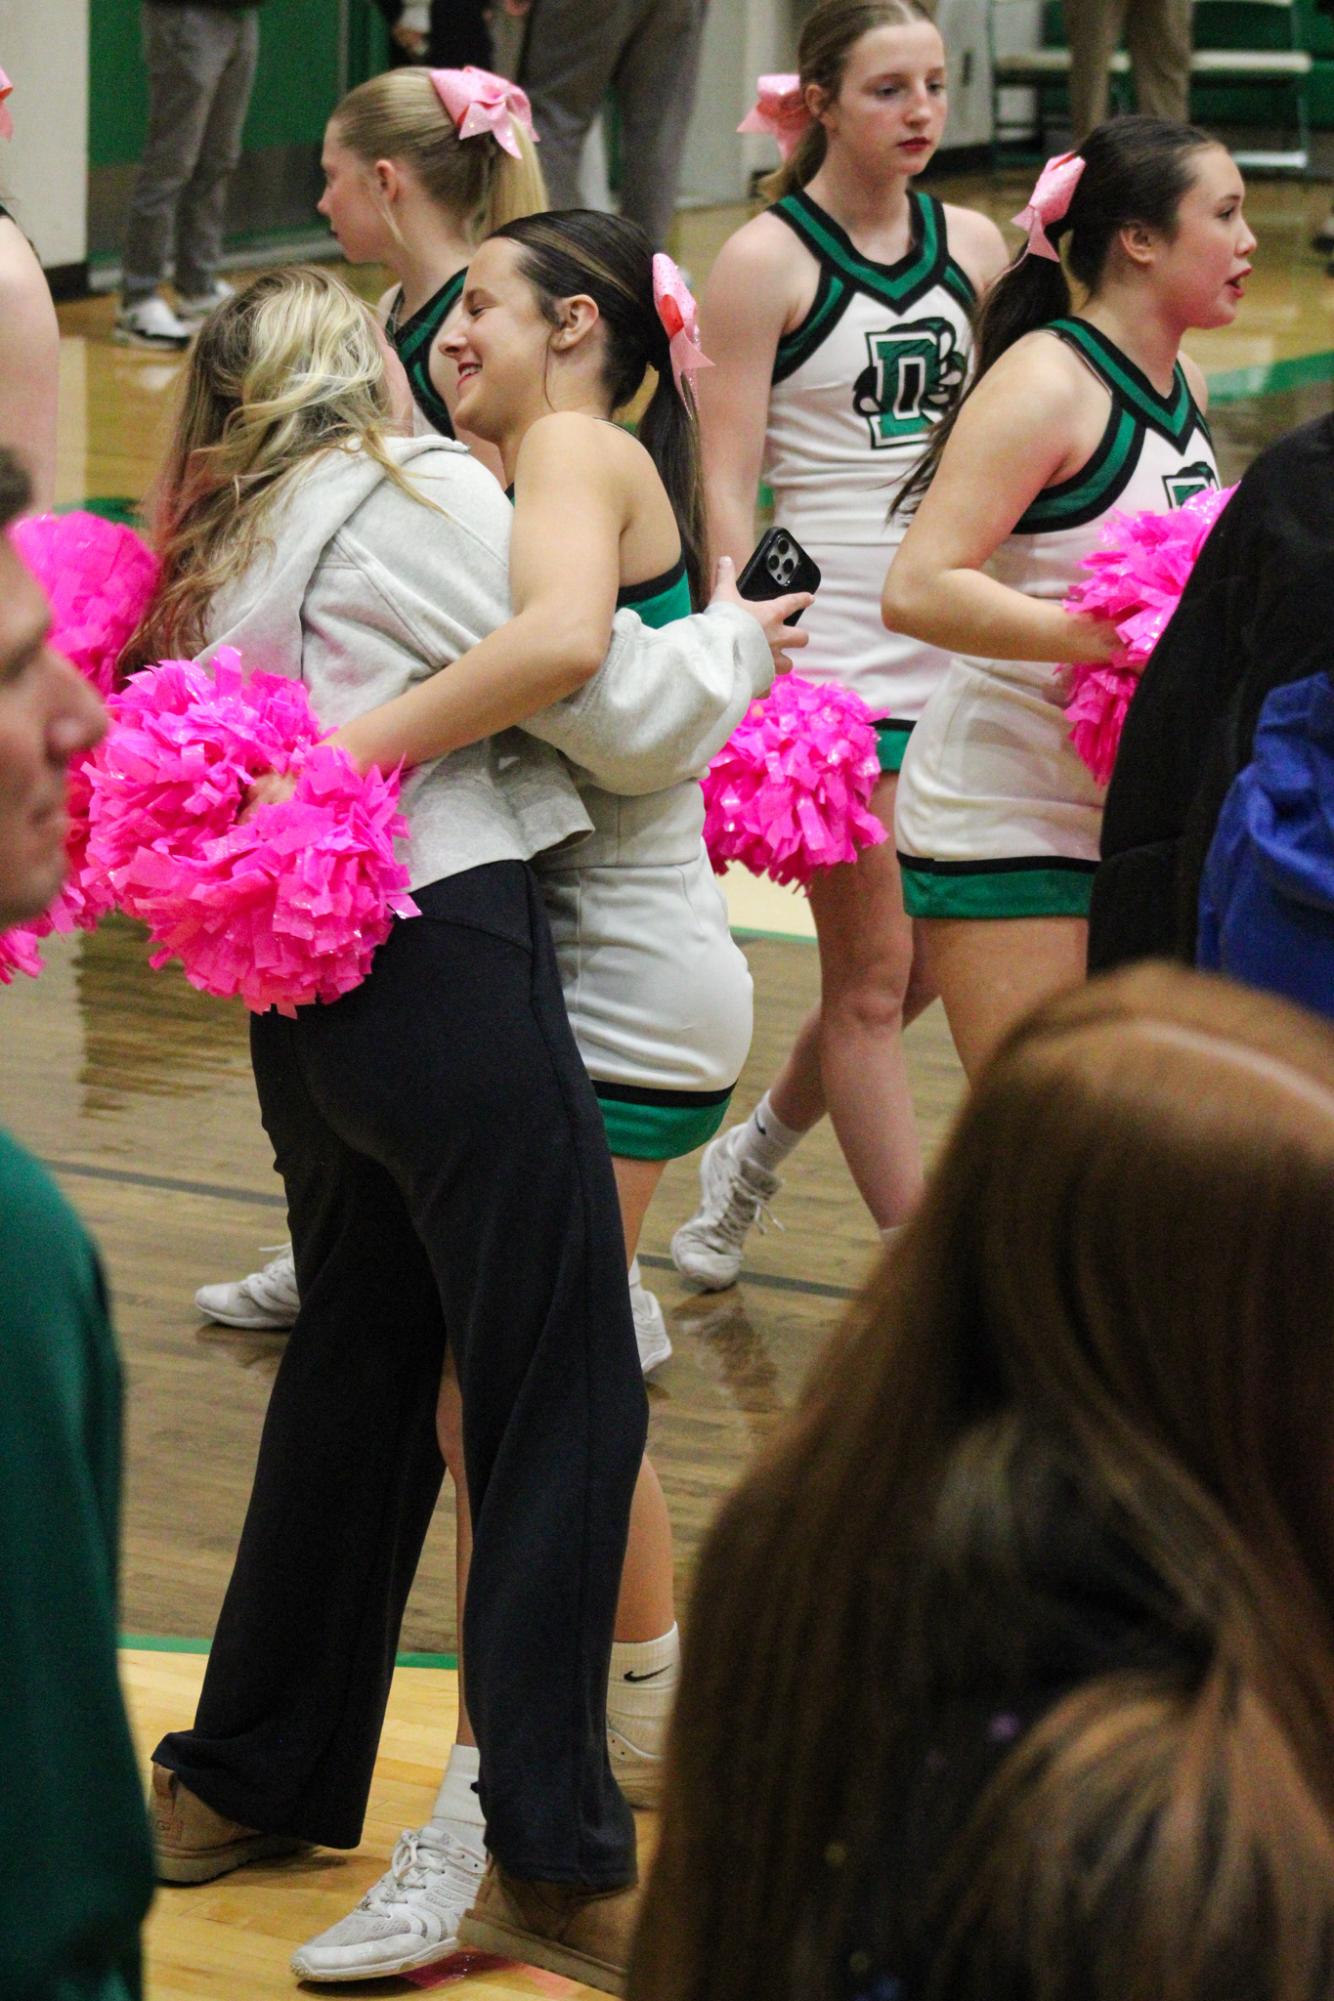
840	322
1069	417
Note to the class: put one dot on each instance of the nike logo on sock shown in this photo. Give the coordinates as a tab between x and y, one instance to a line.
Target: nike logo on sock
653	1676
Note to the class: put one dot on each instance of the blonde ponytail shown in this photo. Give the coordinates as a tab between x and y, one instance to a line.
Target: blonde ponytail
399	116
516	187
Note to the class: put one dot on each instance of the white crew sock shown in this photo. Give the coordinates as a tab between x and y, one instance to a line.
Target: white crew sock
457	1809
765	1139
641	1688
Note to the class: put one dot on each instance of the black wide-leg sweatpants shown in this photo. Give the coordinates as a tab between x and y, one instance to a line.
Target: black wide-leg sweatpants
447	1178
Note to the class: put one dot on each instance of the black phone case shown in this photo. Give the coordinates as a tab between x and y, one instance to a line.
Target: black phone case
778	564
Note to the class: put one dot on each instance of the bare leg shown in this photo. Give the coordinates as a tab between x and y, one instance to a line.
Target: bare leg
646	1608
797	1092
449	1431
992	972
636	1184
870	986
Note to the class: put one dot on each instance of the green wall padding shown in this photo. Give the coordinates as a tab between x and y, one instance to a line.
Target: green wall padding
294	91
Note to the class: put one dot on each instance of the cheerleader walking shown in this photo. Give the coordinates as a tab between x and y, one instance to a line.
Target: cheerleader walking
840	321
1070	416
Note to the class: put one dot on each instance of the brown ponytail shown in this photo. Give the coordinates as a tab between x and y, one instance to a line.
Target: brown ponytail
611	259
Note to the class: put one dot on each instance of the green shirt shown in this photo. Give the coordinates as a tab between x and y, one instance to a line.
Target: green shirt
75	1856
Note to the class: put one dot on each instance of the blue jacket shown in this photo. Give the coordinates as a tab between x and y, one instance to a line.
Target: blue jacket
1267	895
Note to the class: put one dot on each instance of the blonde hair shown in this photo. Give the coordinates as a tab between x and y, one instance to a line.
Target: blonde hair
827	39
290	367
399	116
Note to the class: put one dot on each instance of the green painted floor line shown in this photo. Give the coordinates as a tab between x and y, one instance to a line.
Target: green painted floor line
1273	378
164	1643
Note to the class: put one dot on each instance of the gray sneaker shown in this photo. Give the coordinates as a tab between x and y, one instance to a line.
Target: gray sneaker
267	1299
734	1197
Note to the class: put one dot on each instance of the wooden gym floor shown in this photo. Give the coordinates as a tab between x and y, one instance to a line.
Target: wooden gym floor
137	1091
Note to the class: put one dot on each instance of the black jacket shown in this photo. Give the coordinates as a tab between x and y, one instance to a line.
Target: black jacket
1258	612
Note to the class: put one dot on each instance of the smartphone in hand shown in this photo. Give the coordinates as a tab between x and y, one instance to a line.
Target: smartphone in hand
778	564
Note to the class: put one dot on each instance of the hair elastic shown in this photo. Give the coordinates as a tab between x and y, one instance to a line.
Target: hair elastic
680	321
780	109
478	101
1050	199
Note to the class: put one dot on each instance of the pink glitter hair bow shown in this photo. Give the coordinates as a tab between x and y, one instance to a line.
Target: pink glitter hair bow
478	101
1048	203
780	109
680	321
6	122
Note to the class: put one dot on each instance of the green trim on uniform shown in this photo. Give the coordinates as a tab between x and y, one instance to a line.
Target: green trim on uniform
833	296
413	342
659	600
1174	416
1096	486
640	1129
1038	889
891	740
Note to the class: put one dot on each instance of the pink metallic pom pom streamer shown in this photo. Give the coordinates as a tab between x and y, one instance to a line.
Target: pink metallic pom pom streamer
98	577
1138	574
282	910
787	794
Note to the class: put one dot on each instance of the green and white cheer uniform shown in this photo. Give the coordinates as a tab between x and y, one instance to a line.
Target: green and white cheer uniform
658	993
880	357
413	340
996	815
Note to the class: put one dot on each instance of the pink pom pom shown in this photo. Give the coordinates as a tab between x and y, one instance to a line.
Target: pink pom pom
282	910
19	954
99	576
787	794
1137	575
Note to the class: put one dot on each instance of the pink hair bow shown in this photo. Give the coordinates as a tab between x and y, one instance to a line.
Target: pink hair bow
780	109
680	321
479	101
1048	202
6	122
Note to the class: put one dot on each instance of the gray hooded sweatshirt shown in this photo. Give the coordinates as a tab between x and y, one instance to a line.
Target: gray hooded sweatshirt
359	591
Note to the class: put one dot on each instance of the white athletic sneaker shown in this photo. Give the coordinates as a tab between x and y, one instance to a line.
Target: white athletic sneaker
655	1343
151	323
198	305
267	1299
734	1195
409	1918
637	1773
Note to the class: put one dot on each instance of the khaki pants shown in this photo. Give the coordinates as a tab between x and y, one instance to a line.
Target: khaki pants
1158	39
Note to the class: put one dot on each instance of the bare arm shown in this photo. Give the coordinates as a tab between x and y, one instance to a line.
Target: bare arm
29	362
976	245
564	571
742	315
1034	419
